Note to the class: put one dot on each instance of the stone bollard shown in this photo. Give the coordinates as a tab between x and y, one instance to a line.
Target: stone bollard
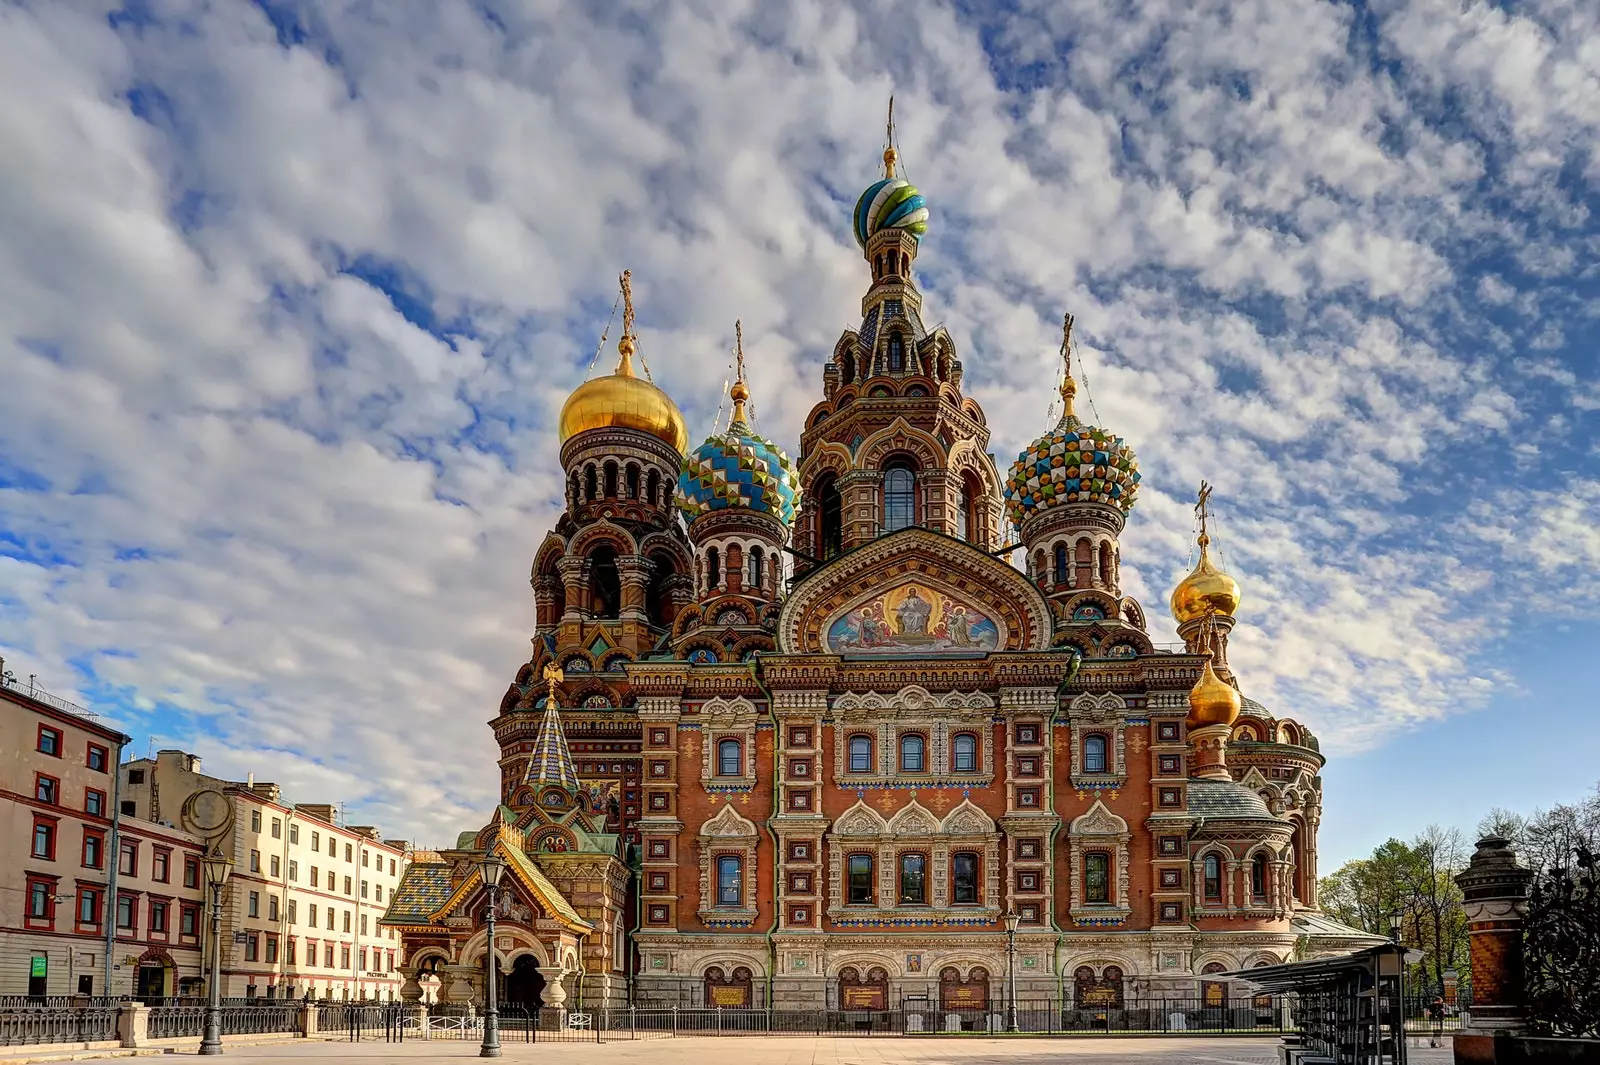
1494	887
133	1025
308	1019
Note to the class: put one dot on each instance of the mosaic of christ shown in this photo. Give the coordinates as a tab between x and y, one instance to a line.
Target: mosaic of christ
912	619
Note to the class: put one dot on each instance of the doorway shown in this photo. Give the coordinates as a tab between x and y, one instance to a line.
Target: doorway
525	984
151	981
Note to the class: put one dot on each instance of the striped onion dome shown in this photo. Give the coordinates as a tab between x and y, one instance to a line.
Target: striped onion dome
892	203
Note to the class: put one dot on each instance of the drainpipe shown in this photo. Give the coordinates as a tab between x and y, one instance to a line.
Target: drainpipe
777	848
114	860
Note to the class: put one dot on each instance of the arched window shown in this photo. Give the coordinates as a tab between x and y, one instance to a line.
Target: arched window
1258	877
970	492
913	879
831	514
1297	875
605	583
729	761
713	568
1061	564
575	490
1040	573
589	487
912	749
877	267
652	485
730	880
754	583
964	878
964	753
860	877
1212	878
905	263
1097	877
899	496
1111	987
897	353
1085	563
860	754
1105	564
1094	754
1083	986
958	513
633	481
611	480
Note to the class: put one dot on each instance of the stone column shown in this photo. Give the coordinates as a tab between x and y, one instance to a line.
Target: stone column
133	1024
555	993
1494	886
410	988
634	571
575	578
457	981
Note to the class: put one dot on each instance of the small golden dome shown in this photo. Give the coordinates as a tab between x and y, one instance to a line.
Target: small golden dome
1207	589
1212	701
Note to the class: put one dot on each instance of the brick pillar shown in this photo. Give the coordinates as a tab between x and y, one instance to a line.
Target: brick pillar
1494	887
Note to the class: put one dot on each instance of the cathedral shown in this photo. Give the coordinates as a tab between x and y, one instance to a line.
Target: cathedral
800	733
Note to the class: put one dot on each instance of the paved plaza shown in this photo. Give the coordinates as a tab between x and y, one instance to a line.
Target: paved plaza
805	1050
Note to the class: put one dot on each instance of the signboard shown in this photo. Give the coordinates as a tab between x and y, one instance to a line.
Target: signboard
40	967
864	997
241	937
736	996
1214	993
964	996
1099	996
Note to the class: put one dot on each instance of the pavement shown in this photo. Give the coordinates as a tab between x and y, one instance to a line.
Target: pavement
804	1050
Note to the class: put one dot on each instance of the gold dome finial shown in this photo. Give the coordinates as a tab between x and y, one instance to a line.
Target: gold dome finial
1207	589
1212	700
739	393
627	342
889	154
553	676
1069	387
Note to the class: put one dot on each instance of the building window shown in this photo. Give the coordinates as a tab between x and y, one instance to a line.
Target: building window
364	884
255	820
349	888
94	802
294	870
272	950
1061	564
97	758
272	907
294	911
41	901
730	880
912	750
728	758
255	861
252	947
313	912
958	513
125	912
899	497
831	515
347	920
294	833
277	828
964	753
316	840
191	872
255	904
88	906
158	917
46	789
860	877
93	849
290	951
49	741
964	878
1213	877
159	864
348	854
913	880
327	955
128	860
897	353
1096	877
1094	754
189	921
1258	877
860	754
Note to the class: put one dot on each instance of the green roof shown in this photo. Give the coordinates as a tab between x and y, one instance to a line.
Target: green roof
422	890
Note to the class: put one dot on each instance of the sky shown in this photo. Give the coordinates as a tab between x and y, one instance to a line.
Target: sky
291	294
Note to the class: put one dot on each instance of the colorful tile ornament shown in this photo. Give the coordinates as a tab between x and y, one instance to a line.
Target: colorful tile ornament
738	469
1072	463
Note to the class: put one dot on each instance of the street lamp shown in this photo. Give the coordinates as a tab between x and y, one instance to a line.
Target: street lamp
1012	919
491	869
218	866
1395	920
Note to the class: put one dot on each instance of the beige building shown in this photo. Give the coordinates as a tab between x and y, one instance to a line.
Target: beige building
301	910
67	855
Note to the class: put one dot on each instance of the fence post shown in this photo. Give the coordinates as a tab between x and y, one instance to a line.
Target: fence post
674	1020
133	1024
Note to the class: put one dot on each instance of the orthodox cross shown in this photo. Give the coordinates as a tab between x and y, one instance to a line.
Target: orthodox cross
627	303
1069	387
1202	510
739	392
889	154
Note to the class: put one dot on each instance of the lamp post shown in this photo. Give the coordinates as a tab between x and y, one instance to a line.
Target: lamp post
1396	919
218	866
491	869
1012	919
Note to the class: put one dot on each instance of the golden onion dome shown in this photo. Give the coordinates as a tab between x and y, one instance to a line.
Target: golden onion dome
1207	589
1212	701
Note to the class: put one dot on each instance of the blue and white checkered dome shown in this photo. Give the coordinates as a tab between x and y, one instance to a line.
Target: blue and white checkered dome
737	468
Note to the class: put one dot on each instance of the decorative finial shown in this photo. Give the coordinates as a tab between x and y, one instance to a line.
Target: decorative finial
1202	510
553	674
738	392
626	344
889	154
1069	387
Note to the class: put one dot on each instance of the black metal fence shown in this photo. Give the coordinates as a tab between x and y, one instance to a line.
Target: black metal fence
30	1025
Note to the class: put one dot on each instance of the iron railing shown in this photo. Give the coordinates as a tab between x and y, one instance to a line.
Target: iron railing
177	1022
29	1025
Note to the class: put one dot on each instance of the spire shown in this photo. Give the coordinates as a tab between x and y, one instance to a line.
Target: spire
889	154
1069	387
551	763
1202	511
739	393
627	343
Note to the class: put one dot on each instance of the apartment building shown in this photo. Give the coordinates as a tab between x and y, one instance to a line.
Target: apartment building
301	910
68	856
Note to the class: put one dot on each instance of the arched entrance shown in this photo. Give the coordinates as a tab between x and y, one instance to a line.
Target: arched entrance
525	984
731	991
154	977
968	999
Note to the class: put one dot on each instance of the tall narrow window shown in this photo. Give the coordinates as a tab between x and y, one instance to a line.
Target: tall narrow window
860	877
756	559
964	753
730	880
611	480
1094	754
897	353
912	749
728	758
713	568
899	497
633	482
860	754
1097	877
605	583
913	879
964	878
1258	877
831	514
958	514
1213	877
589	484
1061	563
652	487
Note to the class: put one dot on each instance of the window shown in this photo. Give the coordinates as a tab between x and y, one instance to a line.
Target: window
255	861
313	912
1061	564
1213	877
274	866
913	880
728	758
860	754
347	856
255	904
327	955
93	849
128	859
272	950
294	911
363	889
49	741
755	568
289	954
964	753
347	920
294	870
94	802
272	907
252	947
1258	877
391	866
158	917
348	887
831	515
860	877
41	900
958	513
277	828
363	924
129	808
911	753
125	912
189	921
97	758
897	352
899	497
313	876
363	954
730	880
364	862
1096	877
159	864
344	956
294	833
316	840
88	906
1094	754
255	820
964	878
191	872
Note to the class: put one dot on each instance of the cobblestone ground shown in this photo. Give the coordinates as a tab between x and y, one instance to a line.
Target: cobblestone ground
806	1050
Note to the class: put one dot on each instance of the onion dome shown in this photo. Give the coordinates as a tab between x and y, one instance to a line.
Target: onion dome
891	203
1212	701
623	400
1073	462
1207	589
738	468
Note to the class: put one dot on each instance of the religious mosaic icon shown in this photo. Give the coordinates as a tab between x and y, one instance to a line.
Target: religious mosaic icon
913	619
